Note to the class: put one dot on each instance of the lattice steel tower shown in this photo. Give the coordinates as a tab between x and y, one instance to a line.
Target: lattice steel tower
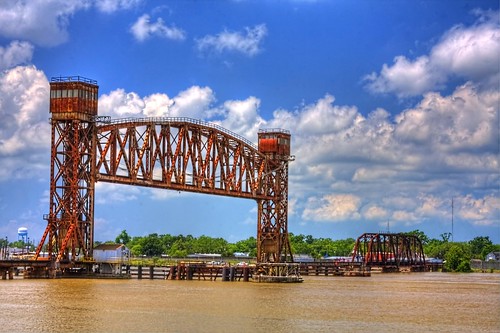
70	227
272	227
171	153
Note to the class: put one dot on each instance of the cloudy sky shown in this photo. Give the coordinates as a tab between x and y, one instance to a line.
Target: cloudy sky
393	107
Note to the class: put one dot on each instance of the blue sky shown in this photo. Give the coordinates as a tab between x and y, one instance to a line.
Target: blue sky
393	107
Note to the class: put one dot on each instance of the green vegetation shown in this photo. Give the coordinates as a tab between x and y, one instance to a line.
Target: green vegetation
457	255
155	245
17	244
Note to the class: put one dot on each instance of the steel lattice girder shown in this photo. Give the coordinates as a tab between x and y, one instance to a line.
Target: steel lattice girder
179	155
71	217
187	155
389	249
272	232
171	153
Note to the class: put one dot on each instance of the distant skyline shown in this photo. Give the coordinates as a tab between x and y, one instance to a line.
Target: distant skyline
393	108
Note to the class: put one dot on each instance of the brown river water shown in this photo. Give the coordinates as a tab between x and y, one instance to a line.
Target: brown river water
414	302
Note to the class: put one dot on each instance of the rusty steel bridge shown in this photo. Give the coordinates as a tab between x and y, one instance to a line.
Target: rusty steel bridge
390	252
170	153
180	154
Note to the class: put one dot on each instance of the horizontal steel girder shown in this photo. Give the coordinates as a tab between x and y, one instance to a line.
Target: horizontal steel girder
182	156
389	249
171	153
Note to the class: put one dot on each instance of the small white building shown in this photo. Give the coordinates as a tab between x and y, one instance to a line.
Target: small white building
493	256
111	253
110	257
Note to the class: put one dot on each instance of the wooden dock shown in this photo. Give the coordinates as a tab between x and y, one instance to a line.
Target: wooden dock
323	268
190	272
183	270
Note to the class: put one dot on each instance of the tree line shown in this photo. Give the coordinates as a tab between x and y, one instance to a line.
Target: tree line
181	246
456	255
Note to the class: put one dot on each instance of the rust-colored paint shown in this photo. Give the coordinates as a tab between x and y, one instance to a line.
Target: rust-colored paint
389	250
172	153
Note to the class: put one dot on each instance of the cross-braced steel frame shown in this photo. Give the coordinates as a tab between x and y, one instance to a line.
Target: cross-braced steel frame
170	153
70	228
389	250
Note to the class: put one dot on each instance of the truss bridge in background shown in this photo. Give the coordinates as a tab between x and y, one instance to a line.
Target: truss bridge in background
390	252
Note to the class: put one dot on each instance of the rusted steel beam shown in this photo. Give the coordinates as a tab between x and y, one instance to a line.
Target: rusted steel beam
171	153
179	156
188	155
389	250
70	222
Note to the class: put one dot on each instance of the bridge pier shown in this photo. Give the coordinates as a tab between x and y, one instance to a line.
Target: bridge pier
7	273
277	272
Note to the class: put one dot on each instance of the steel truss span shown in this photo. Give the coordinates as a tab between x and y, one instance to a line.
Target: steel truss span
180	154
390	251
170	153
190	155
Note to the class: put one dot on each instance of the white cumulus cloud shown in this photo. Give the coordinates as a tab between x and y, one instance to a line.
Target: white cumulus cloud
247	42
481	211
144	29
465	121
24	129
46	22
120	104
110	6
332	207
242	117
399	168
43	22
193	102
16	53
470	53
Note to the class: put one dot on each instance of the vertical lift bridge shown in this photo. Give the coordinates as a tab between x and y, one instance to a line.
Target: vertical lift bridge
171	153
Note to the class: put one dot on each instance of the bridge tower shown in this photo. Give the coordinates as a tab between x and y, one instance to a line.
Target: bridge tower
273	245
70	222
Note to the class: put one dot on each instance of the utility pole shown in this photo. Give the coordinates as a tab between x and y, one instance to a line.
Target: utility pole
452	219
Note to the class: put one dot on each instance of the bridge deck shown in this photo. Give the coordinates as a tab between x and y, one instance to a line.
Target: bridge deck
196	271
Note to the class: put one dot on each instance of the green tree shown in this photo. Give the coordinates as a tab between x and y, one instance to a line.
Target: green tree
182	246
490	248
457	258
421	235
206	244
480	247
309	239
298	244
123	238
321	247
179	249
136	250
167	241
344	247
248	245
446	236
436	248
152	246
4	242
20	244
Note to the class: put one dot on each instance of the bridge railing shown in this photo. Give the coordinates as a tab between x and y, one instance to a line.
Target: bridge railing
193	121
74	78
